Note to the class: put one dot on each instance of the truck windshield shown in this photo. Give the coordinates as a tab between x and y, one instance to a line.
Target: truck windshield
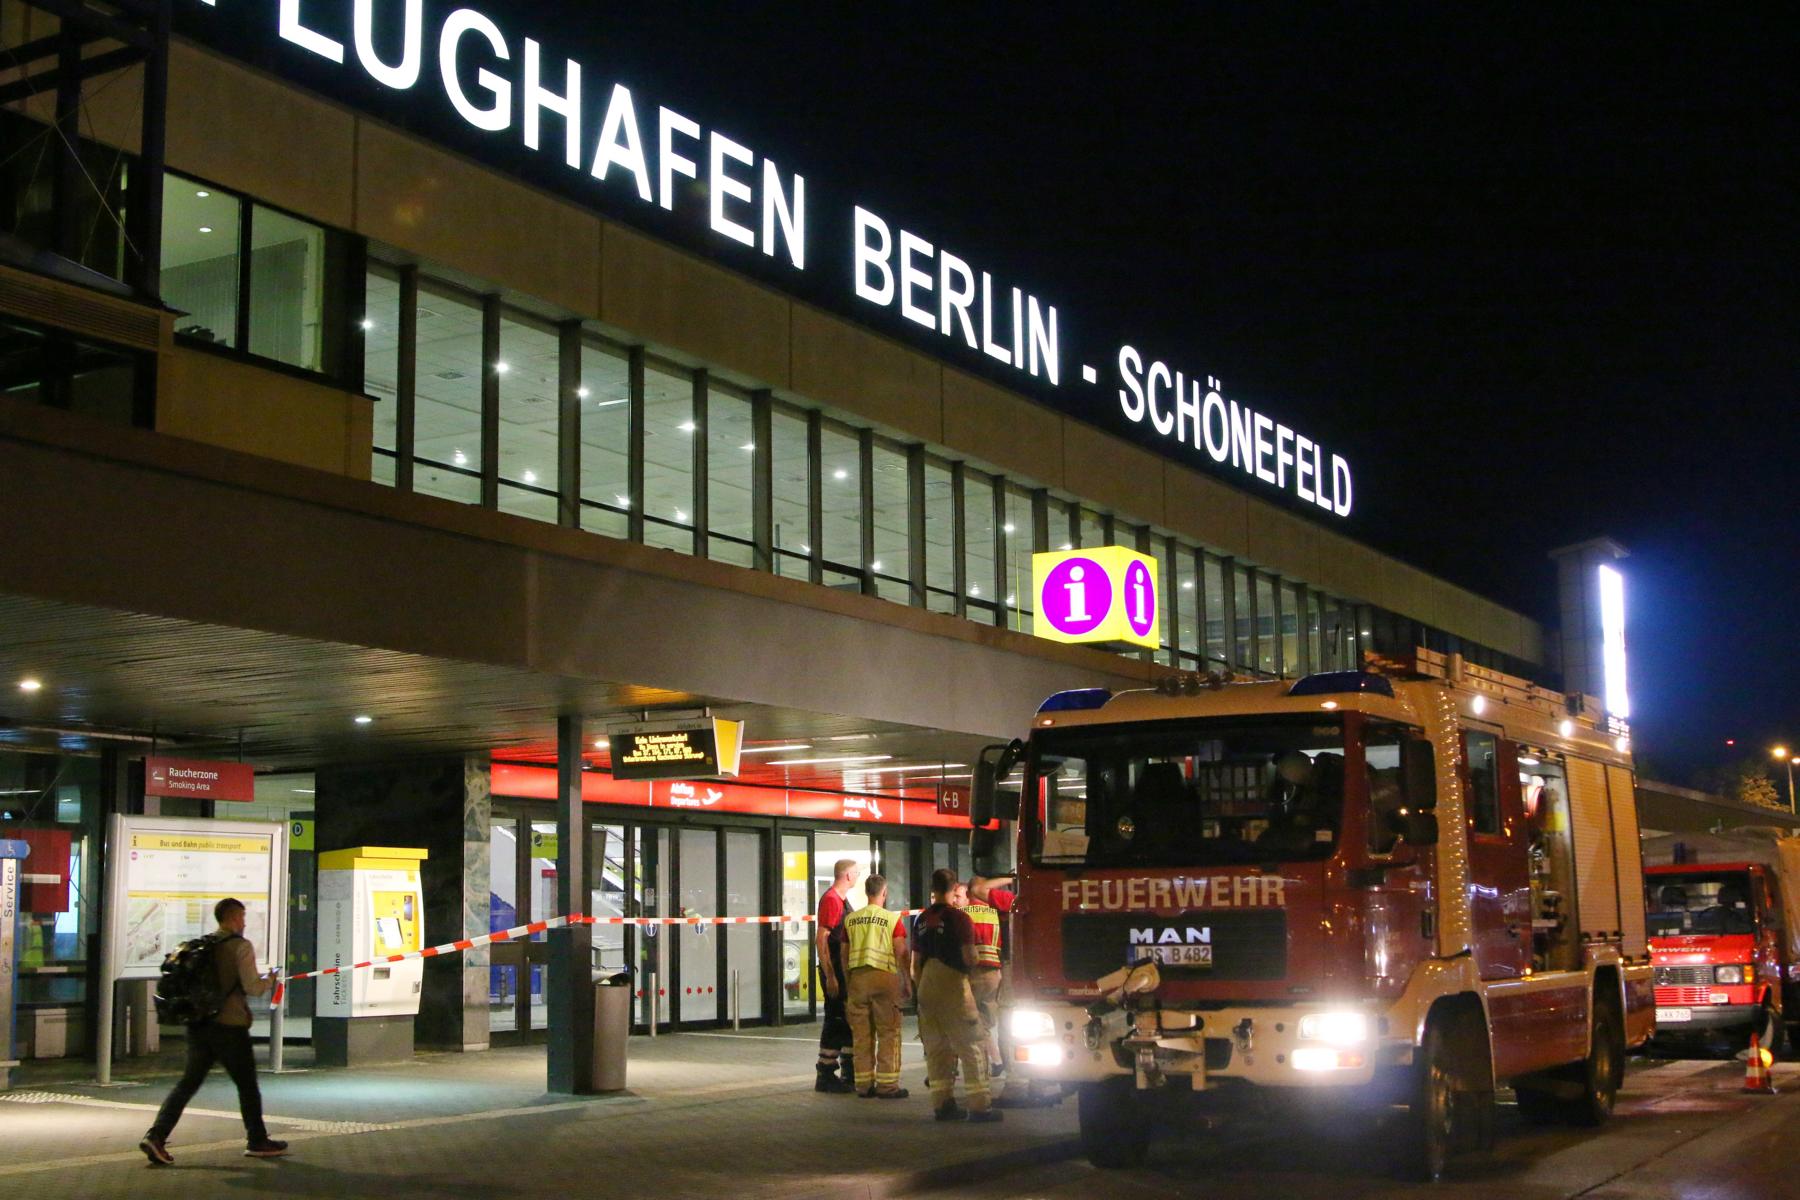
1699	904
1203	793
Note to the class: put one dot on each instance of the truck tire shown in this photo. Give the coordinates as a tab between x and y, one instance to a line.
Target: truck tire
1115	1129
1604	1068
1452	1106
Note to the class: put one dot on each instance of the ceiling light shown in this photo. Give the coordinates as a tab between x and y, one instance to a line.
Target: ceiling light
365	720
582	393
975	591
748	446
840	474
876	565
898	770
201	195
623	501
602	744
778	748
31	685
1066	546
501	368
610	403
842	758
460	459
530	477
1008	528
367	325
303	791
680	516
687	427
1012	599
1187	585
206	229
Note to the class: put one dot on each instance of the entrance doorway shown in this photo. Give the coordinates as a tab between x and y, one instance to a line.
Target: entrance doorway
521	889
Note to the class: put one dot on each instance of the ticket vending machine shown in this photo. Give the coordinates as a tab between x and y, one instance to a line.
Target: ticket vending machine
371	905
12	862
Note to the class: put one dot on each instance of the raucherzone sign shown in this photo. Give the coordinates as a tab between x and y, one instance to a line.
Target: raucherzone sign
599	136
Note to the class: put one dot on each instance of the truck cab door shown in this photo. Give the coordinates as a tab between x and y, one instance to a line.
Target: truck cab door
1500	904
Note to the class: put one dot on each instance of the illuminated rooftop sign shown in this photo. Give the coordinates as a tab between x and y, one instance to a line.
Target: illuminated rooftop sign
552	117
1106	595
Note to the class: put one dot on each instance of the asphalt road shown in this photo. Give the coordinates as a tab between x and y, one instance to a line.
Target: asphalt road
1683	1130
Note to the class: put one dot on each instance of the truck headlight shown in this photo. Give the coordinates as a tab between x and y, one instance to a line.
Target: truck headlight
1029	1025
1042	1054
1732	974
1335	1028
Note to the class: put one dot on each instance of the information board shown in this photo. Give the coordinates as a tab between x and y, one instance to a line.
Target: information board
166	873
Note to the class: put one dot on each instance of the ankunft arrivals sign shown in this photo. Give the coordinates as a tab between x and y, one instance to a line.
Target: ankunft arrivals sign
459	75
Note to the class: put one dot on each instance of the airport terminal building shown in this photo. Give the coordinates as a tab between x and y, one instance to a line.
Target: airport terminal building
396	403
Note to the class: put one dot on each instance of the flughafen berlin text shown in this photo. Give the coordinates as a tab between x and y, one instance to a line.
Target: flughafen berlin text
497	84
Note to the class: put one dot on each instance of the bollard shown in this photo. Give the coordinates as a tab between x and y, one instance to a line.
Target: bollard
277	1038
651	993
734	999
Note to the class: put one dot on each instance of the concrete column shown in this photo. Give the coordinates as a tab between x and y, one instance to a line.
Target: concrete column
443	805
570	988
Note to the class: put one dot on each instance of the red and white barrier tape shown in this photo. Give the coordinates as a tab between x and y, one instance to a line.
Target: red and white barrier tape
518	931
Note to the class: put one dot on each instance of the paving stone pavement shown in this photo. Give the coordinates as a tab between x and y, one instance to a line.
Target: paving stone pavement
706	1114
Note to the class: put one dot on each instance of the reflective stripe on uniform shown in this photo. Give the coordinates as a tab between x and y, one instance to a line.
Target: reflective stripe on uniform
869	932
987	933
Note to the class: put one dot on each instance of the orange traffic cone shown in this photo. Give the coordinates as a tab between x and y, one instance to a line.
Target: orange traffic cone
1756	1069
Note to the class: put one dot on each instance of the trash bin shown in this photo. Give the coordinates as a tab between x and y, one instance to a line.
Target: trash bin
612	1027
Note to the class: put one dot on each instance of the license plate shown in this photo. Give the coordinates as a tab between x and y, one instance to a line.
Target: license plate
1183	956
1675	1015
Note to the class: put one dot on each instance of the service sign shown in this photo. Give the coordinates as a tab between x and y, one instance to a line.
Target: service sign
191	779
686	751
1106	596
498	82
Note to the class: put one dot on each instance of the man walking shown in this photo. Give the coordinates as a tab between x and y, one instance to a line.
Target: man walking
835	1043
875	955
943	955
225	1038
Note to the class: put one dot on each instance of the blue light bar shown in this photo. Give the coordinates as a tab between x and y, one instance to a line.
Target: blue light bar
1076	700
1327	683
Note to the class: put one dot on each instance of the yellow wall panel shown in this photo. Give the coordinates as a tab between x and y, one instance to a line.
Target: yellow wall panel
842	364
1002	428
674	299
432	204
1201	507
204	397
1113	473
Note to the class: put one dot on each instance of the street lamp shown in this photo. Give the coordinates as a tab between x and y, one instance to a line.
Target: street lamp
1781	755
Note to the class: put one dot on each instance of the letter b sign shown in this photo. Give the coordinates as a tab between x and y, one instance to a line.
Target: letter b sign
1107	596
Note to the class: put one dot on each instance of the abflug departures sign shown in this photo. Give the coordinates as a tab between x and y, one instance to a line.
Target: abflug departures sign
484	81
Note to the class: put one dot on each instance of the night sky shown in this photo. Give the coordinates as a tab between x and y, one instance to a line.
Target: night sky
1534	268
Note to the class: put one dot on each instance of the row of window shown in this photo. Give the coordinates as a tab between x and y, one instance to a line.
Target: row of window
484	403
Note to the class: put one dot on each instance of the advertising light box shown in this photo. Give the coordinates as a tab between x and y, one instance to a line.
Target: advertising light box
1104	596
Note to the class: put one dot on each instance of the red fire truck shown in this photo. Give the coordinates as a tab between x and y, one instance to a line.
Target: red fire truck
1405	886
1724	920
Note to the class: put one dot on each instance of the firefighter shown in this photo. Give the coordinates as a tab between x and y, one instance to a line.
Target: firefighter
875	959
943	955
984	976
835	1051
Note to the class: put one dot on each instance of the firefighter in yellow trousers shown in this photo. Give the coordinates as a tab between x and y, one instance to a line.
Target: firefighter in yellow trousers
875	958
943	955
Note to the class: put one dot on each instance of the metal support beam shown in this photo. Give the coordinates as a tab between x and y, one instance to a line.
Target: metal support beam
700	466
570	986
762	480
490	401
406	383
634	462
568	425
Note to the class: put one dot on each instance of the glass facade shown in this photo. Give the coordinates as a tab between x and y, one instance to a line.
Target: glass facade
671	457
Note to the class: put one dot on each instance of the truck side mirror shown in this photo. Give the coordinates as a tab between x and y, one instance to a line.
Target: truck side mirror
993	764
1420	828
1418	764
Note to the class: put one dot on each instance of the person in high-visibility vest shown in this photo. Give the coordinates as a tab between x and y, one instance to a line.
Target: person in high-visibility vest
876	960
984	977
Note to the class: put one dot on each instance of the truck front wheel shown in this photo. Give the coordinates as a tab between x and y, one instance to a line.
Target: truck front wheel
1604	1069
1115	1130
1452	1106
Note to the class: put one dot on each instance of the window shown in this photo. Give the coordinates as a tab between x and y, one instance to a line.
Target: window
1187	607
447	442
381	363
840	466
978	545
1268	618
47	366
893	525
284	302
605	395
1315	647
730	456
528	374
669	432
792	472
1018	539
1212	599
1062	527
1292	660
1481	752
1166	587
1243	653
940	537
1093	530
201	259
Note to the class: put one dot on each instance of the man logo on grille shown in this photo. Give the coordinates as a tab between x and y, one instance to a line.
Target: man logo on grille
1172	936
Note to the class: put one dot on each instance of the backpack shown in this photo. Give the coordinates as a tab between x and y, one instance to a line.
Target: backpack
188	992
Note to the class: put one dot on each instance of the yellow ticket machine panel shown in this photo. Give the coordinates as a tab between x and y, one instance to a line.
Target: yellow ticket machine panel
371	906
